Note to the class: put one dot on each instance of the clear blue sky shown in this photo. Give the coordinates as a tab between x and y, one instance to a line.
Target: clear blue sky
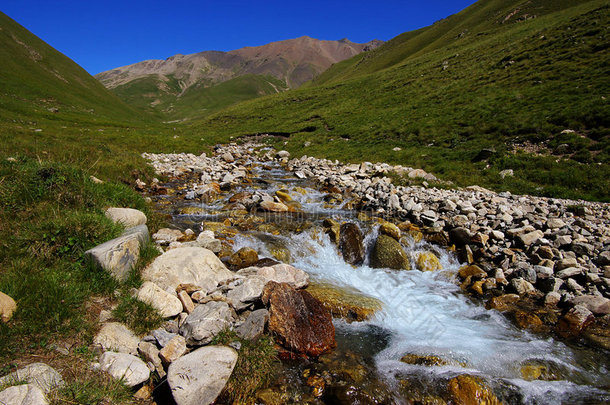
101	35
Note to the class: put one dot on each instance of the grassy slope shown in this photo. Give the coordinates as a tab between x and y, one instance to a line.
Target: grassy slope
166	100
504	84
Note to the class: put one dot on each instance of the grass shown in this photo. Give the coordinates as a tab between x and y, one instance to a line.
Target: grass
442	98
85	386
256	367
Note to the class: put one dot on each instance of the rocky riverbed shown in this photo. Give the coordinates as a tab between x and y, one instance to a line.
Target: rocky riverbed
372	293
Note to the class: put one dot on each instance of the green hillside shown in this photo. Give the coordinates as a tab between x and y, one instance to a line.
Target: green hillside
478	79
167	100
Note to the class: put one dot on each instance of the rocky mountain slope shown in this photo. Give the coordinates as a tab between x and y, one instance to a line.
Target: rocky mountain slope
163	85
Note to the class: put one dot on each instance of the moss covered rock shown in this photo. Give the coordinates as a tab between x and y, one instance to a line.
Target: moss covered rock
388	253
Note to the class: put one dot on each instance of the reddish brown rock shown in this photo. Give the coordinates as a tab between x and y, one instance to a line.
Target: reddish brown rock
573	322
300	322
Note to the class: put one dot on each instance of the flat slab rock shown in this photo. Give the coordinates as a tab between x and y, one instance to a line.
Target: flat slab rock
25	394
125	367
117	256
117	337
40	375
198	377
187	265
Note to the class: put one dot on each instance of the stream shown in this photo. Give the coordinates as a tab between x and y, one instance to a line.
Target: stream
423	313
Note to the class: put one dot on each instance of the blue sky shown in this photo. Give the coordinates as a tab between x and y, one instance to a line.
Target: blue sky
102	35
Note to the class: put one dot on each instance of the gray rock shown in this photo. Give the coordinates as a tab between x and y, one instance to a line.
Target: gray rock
128	217
140	231
150	354
522	287
24	394
162	336
569	272
167	304
40	375
581	249
254	325
165	236
566	263
248	291
552	299
280	273
574	286
597	305
543	272
117	256
125	367
283	154
554	223
527	273
116	336
205	322
198	377
551	284
529	238
174	349
187	265
603	259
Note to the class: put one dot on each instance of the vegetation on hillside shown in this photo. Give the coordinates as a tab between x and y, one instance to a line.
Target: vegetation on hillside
477	80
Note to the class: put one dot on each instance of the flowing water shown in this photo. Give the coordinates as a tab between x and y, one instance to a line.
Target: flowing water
424	313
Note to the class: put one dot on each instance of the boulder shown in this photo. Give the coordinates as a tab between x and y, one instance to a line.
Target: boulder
299	321
244	257
596	304
467	390
167	304
273	206
427	261
117	256
284	273
205	322
39	375
388	253
165	236
248	291
343	302
254	325
25	394
198	377
189	265
7	307
388	228
116	336
473	271
129	369
128	217
351	243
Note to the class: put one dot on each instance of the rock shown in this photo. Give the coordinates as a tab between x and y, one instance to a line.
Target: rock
552	299
283	196
459	236
565	263
283	154
163	337
284	273
569	272
186	302
254	325
129	369
300	322
192	265
522	287
200	327
273	206
244	257
555	223
227	157
507	173
603	259
469	390
39	375
117	256
7	307
128	217
24	394
387	253
174	349
165	236
473	271
117	337
150	354
198	377
344	302
388	228
351	244
427	261
167	304
527	320
597	305
247	292
529	238
503	302
575	320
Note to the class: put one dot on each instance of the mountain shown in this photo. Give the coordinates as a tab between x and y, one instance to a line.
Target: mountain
187	84
525	80
37	81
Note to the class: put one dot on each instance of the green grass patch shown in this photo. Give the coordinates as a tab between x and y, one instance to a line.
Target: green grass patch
90	387
256	367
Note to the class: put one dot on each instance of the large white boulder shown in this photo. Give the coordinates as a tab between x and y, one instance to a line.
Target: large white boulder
25	394
122	366
128	217
198	377
116	336
40	375
187	265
